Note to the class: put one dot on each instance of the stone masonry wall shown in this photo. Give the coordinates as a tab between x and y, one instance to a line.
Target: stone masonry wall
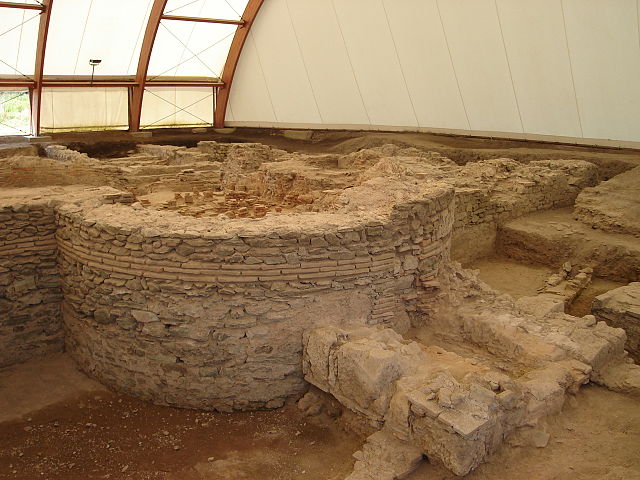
613	206
30	285
189	314
30	294
41	172
482	205
620	308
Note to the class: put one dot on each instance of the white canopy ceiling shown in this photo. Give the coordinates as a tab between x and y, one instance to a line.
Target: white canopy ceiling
112	31
563	70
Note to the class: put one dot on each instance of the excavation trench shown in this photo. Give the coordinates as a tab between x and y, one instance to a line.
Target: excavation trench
232	276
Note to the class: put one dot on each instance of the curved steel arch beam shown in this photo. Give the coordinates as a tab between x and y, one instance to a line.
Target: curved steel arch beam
41	48
137	91
239	39
22	6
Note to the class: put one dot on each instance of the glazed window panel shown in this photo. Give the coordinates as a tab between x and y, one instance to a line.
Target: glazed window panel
18	38
190	49
15	112
177	107
108	30
221	9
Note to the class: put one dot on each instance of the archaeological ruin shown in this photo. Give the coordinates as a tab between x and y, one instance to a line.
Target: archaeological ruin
319	239
237	276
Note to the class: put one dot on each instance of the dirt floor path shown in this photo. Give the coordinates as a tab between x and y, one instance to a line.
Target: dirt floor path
510	276
59	425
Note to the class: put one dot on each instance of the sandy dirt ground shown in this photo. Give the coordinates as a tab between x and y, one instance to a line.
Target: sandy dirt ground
60	425
57	424
512	277
519	279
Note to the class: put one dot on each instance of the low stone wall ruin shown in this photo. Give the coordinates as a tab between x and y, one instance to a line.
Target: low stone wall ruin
620	308
202	319
454	410
30	281
203	315
30	294
35	171
613	206
496	191
210	314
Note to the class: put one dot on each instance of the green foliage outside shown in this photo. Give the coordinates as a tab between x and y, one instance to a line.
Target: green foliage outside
14	113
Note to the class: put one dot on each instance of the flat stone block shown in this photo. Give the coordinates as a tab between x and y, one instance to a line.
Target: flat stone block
298	134
142	134
38	139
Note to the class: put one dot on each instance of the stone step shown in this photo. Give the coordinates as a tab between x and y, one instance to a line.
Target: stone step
453	409
553	237
620	308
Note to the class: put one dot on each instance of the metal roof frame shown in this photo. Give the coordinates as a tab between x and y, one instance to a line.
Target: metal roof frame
137	84
229	71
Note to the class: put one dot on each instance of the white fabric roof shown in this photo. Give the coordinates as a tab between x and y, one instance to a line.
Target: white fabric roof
551	69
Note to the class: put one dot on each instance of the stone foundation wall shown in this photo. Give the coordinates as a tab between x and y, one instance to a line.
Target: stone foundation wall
620	308
30	283
64	154
555	184
488	193
455	410
42	172
188	314
19	149
613	206
30	294
542	185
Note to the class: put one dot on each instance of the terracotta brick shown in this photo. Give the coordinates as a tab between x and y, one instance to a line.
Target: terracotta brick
279	278
338	268
321	264
300	271
357	260
236	279
160	275
311	276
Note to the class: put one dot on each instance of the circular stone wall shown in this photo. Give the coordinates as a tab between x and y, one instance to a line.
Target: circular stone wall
210	315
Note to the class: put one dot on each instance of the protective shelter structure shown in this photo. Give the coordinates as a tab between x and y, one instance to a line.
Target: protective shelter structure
118	64
558	70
